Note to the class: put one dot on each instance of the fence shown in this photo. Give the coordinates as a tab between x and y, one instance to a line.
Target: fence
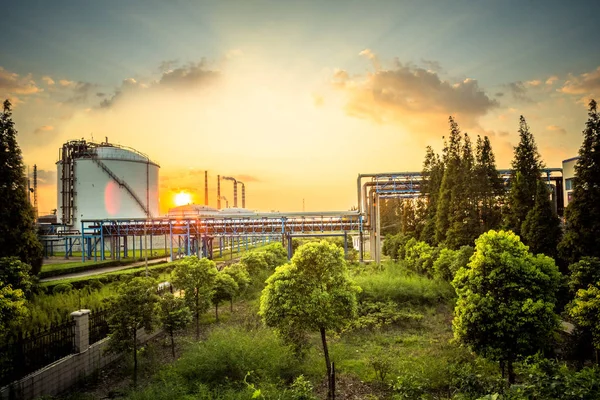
99	328
29	352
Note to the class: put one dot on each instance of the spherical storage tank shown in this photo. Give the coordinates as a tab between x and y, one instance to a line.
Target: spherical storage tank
105	181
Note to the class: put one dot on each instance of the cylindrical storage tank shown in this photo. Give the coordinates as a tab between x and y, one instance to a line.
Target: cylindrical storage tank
105	181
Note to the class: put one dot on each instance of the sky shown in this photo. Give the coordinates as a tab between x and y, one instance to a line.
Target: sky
295	99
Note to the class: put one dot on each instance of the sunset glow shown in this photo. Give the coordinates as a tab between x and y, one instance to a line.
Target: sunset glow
183	198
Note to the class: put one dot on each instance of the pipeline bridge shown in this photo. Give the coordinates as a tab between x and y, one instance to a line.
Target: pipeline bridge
199	234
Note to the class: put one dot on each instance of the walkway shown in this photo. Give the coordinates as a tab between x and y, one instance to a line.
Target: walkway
99	271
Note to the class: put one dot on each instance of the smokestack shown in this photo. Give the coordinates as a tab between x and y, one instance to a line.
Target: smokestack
35	205
219	192
234	193
205	188
243	194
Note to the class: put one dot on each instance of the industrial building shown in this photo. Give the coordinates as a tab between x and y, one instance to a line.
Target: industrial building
568	167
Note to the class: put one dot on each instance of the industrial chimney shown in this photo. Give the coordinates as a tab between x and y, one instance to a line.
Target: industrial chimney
205	188
218	192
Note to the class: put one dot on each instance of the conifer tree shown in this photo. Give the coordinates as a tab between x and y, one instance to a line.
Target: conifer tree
541	229
489	189
452	163
464	219
18	236
432	174
526	170
582	236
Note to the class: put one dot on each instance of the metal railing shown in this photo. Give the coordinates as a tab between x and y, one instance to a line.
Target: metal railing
25	353
98	325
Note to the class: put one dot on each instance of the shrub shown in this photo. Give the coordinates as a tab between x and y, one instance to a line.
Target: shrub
62	288
220	360
442	267
255	262
420	257
302	389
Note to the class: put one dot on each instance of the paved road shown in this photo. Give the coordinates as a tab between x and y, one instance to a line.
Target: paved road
104	270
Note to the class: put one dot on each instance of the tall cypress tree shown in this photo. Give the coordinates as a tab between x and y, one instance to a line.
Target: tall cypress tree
489	188
527	165
432	174
452	163
541	229
464	219
18	236
582	236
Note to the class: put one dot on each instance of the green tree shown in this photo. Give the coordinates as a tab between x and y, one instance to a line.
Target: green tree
489	189
582	234
432	175
506	298
174	316
584	273
452	175
464	218
255	262
133	308
312	293
18	235
525	174
390	214
16	273
224	289
275	255
12	308
585	311
239	274
541	229
196	277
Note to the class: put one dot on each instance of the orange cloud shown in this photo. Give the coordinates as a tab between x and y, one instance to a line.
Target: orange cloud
44	128
585	84
12	83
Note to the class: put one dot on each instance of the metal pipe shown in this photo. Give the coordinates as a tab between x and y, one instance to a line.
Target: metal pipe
35	203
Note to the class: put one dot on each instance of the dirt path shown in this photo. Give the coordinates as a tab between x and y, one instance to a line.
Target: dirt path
99	271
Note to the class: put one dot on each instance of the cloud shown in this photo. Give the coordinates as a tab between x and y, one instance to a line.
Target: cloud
49	81
518	90
44	128
432	65
556	128
66	83
12	83
585	84
371	56
80	91
550	81
44	177
187	77
413	96
499	94
535	82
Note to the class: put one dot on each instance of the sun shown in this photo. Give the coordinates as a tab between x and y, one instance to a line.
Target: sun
183	198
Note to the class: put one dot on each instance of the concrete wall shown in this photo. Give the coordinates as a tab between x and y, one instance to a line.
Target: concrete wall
64	373
568	174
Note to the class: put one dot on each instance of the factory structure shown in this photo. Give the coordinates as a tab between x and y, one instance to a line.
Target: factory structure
108	200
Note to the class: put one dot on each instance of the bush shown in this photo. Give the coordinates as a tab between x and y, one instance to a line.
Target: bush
255	262
228	354
275	255
420	257
374	315
442	267
62	288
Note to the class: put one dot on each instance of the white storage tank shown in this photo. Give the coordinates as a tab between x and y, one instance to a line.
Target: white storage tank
104	181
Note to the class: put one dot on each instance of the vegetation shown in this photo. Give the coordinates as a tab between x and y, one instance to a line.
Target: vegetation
196	277
17	221
225	288
133	308
174	316
582	234
313	293
506	299
12	308
541	229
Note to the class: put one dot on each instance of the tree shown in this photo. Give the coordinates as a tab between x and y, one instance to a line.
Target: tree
133	308
197	278
452	172
224	288
582	234
239	274
463	217
585	311
312	293
255	262
489	188
18	235
525	173
16	273
506	298
584	273
12	307
275	255
390	214
174	316
541	229
432	175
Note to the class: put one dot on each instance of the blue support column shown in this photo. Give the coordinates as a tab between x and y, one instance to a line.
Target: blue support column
188	240
125	248
220	246
346	244
102	240
82	244
171	239
141	250
133	246
67	248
